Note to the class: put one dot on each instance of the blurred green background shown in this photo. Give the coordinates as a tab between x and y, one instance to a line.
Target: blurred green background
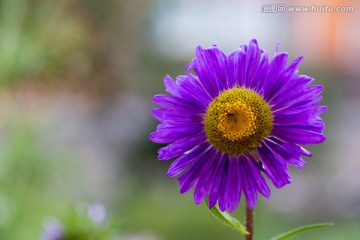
76	81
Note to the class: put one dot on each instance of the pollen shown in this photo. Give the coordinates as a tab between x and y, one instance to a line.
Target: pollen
237	120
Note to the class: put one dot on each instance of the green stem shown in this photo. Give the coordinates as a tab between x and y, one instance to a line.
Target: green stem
249	223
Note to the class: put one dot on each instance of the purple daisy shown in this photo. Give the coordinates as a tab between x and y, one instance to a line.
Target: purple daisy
238	118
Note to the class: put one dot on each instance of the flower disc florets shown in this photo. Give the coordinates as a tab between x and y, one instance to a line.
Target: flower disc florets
237	120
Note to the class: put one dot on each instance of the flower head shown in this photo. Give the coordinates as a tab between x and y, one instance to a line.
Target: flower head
238	118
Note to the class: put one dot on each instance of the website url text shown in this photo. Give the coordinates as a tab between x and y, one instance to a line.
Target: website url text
282	8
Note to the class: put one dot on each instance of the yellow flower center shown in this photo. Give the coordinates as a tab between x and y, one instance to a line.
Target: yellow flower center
237	120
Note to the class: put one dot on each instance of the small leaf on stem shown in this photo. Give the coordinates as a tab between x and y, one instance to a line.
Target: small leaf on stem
302	229
227	219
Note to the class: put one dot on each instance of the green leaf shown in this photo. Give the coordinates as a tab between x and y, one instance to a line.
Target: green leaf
302	229
227	219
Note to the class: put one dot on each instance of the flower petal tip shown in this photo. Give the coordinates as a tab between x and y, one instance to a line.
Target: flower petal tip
253	42
169	174
162	155
182	190
267	196
302	166
322	138
251	204
281	184
211	203
151	136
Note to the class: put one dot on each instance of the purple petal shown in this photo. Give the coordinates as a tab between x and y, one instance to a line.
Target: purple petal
306	117
298	135
179	147
204	184
167	133
258	81
277	65
233	185
192	175
274	167
298	109
237	68
258	180
286	76
187	96
223	194
296	97
316	125
250	190
289	152
180	164
307	96
196	89
215	186
291	147
299	162
252	62
176	103
174	117
218	65
210	67
171	86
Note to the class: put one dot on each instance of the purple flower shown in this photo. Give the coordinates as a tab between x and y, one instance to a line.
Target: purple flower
53	230
238	118
97	212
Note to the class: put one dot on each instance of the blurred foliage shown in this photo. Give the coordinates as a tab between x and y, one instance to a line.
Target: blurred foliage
24	178
71	44
86	46
76	223
36	38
